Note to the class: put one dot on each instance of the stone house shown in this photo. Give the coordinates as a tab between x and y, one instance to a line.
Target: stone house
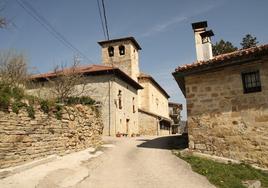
119	87
152	99
227	101
110	86
175	115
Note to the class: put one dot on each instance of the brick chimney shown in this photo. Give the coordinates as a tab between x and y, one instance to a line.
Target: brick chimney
202	41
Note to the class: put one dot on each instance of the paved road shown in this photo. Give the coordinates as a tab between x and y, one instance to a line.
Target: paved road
145	163
125	163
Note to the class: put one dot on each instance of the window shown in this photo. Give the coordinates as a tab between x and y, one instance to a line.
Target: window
251	82
133	103
111	51
120	99
122	50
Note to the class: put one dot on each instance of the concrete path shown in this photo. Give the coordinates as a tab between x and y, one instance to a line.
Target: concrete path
139	162
122	163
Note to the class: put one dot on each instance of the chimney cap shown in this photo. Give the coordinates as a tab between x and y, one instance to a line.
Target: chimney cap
208	33
199	25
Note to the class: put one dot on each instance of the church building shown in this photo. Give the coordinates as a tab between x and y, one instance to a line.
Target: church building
132	102
153	110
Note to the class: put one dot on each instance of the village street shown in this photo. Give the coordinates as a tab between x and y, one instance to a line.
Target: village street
124	162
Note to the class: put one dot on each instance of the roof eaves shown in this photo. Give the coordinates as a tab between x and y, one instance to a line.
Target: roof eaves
132	39
155	83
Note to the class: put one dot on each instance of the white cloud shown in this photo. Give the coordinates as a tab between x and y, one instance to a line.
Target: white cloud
177	19
164	26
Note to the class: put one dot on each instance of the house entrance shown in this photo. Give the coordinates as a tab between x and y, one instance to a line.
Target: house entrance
127	126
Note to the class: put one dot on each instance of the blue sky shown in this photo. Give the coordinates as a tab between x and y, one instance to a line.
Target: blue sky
162	27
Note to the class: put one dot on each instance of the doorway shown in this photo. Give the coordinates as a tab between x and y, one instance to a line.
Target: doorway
127	126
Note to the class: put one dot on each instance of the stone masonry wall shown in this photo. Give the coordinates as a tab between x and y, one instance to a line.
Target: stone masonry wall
224	121
23	139
148	125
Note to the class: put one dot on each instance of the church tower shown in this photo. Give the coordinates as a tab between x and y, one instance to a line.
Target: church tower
123	54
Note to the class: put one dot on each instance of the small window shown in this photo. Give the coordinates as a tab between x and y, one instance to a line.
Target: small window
111	51
251	82
205	40
133	104
122	50
120	99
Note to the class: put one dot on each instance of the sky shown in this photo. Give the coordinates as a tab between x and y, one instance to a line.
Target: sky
161	27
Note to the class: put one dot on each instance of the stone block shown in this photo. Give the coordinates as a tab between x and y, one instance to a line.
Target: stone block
200	146
24	139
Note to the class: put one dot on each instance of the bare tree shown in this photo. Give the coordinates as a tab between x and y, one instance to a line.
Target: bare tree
67	82
13	69
3	22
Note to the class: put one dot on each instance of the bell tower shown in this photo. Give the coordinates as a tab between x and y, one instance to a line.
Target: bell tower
122	53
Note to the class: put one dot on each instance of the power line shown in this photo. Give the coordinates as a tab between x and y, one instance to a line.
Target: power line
101	18
41	20
105	19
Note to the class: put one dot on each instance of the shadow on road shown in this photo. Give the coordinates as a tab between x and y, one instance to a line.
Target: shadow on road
166	142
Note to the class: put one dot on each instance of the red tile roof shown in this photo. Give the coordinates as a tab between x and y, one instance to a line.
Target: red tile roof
92	70
228	59
80	69
239	54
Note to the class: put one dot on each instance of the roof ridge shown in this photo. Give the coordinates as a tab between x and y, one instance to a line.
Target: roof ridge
223	57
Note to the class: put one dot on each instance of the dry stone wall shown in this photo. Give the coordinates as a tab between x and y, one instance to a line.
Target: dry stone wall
224	121
23	139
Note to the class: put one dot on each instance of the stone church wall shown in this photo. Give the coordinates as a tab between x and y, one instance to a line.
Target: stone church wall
23	139
148	124
224	121
152	99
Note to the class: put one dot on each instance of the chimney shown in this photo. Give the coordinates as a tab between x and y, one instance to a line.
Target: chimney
202	41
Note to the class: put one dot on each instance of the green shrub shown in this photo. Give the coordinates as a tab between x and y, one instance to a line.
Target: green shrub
31	112
7	93
45	106
16	106
4	102
5	89
86	100
58	112
79	100
17	93
31	99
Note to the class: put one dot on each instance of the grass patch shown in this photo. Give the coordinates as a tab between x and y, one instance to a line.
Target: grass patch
225	175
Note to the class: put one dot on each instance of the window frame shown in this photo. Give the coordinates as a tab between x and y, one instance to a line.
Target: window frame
133	105
120	106
248	81
111	51
122	49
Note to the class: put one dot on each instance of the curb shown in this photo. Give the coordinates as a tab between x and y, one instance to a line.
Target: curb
17	169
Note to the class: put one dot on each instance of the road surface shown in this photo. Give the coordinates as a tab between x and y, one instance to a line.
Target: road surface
145	163
122	163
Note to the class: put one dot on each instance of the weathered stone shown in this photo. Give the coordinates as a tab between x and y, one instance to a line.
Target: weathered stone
200	146
228	122
24	139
